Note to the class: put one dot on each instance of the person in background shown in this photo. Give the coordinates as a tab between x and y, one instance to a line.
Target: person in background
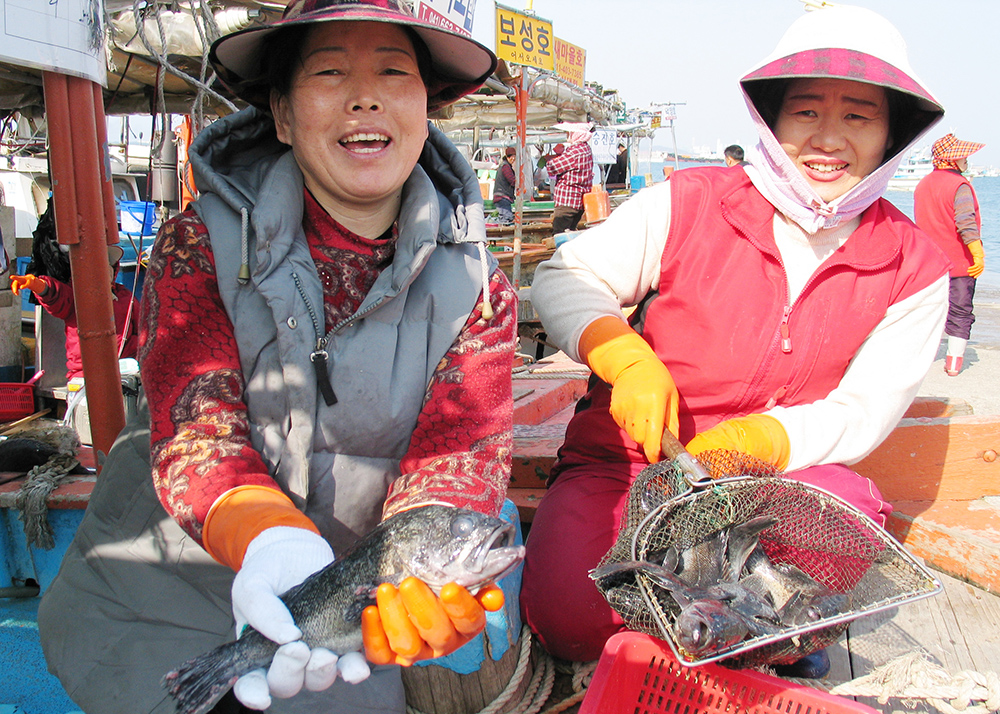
618	173
785	312
544	180
56	297
505	186
946	208
573	172
325	342
734	155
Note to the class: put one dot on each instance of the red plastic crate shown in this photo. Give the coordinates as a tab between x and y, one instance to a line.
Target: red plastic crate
638	674
17	400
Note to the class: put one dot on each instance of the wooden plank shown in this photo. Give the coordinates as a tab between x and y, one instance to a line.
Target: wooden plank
937	459
958	629
960	538
526	500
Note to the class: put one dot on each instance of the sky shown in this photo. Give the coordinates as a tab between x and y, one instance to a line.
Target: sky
694	52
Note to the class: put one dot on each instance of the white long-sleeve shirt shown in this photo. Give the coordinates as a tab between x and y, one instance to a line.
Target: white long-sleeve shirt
617	263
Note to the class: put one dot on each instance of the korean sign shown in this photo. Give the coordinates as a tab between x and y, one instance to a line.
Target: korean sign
454	15
604	144
570	61
523	39
65	37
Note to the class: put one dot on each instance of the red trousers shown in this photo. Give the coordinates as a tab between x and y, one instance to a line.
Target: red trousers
577	523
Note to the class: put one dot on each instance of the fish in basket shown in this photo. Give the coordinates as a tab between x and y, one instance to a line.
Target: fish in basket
749	567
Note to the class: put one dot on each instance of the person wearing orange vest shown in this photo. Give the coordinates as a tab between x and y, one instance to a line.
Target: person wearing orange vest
945	207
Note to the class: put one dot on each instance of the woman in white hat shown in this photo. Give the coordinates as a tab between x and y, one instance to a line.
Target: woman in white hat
326	343
785	311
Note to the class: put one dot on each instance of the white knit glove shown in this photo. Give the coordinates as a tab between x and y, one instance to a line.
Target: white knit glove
276	560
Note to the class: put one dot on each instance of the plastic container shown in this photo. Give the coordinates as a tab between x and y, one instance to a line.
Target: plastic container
137	217
17	399
638	674
596	204
637	183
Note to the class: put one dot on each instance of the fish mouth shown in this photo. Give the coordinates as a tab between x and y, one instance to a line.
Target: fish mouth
496	555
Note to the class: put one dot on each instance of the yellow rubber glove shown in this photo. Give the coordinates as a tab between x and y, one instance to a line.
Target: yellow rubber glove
412	623
643	394
978	258
758	435
20	282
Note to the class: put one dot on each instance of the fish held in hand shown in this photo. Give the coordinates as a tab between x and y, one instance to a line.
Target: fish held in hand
436	544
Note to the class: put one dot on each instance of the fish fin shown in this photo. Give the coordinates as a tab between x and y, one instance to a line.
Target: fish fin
198	683
743	539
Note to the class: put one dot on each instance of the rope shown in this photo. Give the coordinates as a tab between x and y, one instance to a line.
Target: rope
138	13
539	687
32	498
583	672
914	676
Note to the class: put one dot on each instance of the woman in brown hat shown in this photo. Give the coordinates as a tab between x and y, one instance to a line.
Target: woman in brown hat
326	343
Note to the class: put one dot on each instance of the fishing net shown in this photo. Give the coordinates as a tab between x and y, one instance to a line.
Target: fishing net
823	537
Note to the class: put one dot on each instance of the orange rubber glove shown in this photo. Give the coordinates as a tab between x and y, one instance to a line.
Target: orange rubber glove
758	435
412	623
643	394
978	258
20	282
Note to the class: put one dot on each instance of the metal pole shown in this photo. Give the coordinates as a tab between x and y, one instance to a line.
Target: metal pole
521	103
674	135
82	196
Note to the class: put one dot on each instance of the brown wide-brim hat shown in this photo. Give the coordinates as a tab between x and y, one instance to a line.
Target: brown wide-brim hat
459	64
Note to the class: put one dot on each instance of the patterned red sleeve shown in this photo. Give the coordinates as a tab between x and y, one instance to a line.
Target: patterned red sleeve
191	375
460	452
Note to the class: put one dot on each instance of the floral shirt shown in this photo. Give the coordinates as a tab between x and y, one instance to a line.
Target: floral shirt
460	451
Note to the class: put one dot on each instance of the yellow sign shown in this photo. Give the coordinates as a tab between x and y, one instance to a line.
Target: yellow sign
654	122
570	62
523	39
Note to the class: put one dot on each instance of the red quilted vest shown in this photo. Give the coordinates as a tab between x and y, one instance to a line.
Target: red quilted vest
721	321
934	212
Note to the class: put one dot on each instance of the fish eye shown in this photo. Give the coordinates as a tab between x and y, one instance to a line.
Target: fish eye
462	526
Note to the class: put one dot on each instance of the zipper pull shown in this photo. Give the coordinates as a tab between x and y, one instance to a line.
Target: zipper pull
319	360
773	401
786	337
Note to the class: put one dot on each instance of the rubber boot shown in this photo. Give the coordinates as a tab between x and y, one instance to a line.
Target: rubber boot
953	357
813	666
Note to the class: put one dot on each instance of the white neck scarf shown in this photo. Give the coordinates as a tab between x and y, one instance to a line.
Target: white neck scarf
777	178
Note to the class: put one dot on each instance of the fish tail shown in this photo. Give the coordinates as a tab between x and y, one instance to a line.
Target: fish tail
199	682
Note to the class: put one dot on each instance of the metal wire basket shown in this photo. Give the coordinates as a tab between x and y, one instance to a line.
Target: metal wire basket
808	530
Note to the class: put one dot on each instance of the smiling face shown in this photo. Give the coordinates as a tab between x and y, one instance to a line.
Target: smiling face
835	131
356	119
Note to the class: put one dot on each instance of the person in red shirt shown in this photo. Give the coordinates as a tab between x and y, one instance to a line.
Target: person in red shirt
573	173
945	207
57	299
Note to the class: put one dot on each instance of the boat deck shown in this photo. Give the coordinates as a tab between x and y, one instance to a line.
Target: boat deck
957	630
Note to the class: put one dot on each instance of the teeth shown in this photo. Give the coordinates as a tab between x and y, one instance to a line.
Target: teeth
365	137
826	168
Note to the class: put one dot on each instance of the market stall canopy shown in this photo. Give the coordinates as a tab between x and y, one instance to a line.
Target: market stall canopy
156	54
